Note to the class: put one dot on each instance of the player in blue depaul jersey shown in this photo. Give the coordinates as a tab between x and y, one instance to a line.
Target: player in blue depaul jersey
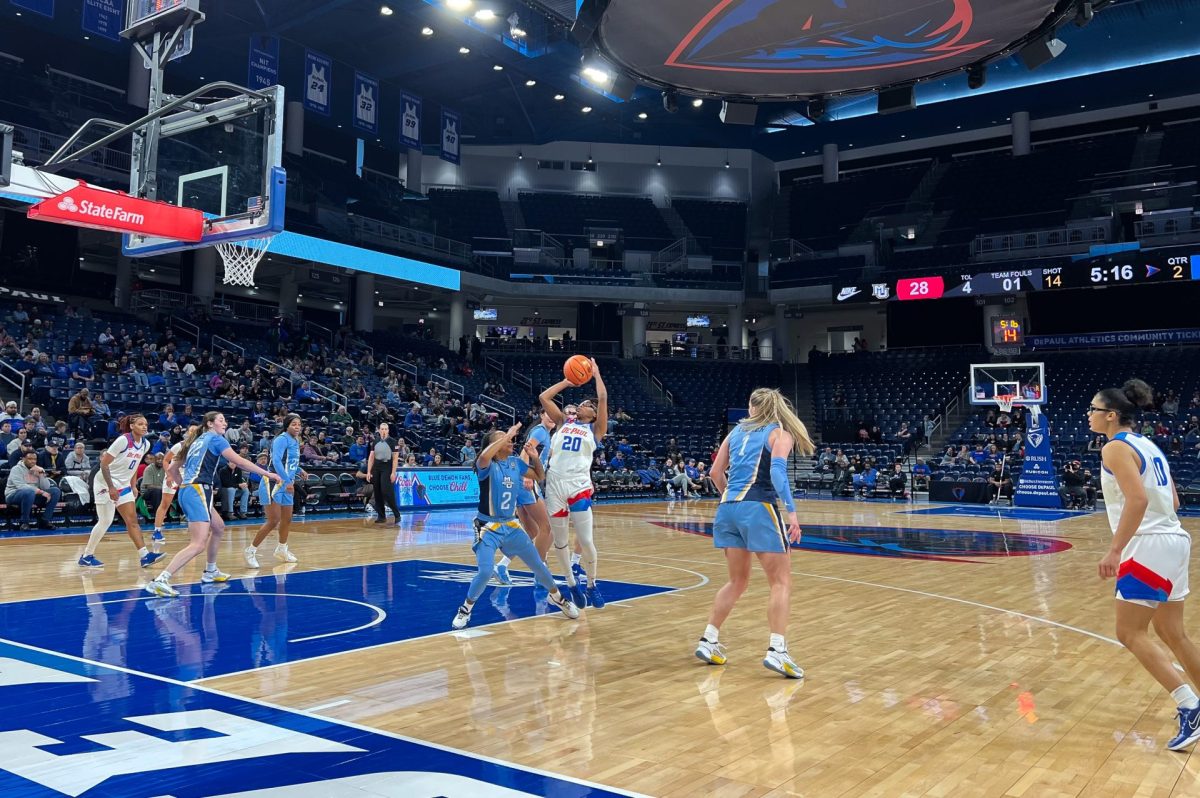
203	451
500	475
278	500
750	470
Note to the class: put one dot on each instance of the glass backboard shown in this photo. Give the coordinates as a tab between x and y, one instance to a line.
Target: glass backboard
1025	383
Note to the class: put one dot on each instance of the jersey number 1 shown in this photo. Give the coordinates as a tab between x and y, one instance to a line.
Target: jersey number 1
1160	472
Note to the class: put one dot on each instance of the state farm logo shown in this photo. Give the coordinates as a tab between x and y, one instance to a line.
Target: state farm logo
100	210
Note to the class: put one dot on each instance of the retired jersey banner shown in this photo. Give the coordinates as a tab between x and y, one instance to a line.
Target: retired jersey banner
410	121
318	82
1038	486
366	103
104	18
264	62
451	136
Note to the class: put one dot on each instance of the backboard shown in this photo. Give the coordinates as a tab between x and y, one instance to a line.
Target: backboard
223	157
1025	382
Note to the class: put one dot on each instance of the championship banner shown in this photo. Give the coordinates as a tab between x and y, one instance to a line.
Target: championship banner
1039	485
104	18
264	62
318	82
43	7
366	103
410	121
436	488
451	127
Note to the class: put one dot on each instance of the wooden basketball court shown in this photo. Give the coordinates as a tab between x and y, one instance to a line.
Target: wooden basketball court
946	654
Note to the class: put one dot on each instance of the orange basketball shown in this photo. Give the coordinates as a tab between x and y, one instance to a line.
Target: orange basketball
577	369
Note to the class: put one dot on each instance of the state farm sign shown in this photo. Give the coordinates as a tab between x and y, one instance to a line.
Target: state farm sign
100	209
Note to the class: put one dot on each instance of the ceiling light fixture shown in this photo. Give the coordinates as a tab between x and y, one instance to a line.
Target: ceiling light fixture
531	82
386	11
643	115
560	97
587	109
497	68
458	5
427	31
696	103
464	50
485	15
596	74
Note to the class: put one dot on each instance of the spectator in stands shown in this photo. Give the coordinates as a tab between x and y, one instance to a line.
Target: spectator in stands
77	463
989	418
312	454
152	481
904	437
162	445
841	473
1072	492
826	461
1089	489
413	418
979	456
876	434
864	432
39	421
1170	405
58	436
62	371
430	456
866	480
617	462
305	395
707	488
6	436
83	369
52	459
928	426
20	315
624	448
11	413
650	475
1000	484
410	461
18	447
167	418
921	474
673	451
28	486
36	435
896	481
80	411
242	435
467	453
233	488
170	365
340	417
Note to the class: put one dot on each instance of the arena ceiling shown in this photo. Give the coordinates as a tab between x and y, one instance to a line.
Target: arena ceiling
1132	49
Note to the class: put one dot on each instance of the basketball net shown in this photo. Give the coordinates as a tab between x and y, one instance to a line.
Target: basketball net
241	258
1005	403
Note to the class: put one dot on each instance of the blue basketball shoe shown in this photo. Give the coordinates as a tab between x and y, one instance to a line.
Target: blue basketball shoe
594	598
578	598
1189	729
90	561
150	558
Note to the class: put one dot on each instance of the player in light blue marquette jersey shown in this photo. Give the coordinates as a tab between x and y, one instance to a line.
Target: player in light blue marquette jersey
531	506
500	473
203	452
750	470
1150	550
278	501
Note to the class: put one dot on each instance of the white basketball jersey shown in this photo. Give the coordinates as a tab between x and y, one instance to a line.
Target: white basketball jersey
571	451
127	456
1160	517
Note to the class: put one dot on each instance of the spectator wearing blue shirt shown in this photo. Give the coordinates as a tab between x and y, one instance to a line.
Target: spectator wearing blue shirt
624	448
430	457
304	394
920	473
83	370
413	418
358	450
980	456
617	462
865	481
692	472
25	364
61	370
44	367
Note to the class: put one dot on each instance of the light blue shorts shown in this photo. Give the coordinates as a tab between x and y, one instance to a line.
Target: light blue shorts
753	526
527	497
196	502
274	493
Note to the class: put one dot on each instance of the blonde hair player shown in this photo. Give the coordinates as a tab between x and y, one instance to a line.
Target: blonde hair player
202	453
1150	550
113	490
169	488
569	481
750	470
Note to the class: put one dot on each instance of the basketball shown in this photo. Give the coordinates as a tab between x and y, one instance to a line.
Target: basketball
577	369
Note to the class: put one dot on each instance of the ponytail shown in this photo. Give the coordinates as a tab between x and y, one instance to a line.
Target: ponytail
1128	399
195	431
125	423
769	406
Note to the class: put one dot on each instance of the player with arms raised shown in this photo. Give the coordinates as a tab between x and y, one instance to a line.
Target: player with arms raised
750	470
1150	550
569	479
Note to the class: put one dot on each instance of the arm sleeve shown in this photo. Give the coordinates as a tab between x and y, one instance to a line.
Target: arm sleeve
779	481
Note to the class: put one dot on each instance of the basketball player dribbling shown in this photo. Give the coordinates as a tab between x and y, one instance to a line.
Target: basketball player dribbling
1150	550
750	470
569	481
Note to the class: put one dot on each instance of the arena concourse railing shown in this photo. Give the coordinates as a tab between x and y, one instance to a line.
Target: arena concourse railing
16	379
403	366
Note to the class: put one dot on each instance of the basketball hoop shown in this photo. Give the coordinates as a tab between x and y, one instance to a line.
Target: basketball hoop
241	258
1005	403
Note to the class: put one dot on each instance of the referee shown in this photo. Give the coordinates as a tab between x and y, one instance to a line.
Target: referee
382	477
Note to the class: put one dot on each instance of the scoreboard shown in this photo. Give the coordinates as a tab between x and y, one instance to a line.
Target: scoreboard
1122	269
1007	331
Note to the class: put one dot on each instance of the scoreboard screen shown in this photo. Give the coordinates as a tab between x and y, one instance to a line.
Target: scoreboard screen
1007	331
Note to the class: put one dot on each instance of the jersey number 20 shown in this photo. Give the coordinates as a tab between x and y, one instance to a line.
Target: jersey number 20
572	443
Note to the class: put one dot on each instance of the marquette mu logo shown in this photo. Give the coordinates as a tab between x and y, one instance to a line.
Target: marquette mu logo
836	35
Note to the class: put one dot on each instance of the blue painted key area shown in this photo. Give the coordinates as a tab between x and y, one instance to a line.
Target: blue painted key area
213	630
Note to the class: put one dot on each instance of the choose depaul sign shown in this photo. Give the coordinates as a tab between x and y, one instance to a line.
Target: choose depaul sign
436	487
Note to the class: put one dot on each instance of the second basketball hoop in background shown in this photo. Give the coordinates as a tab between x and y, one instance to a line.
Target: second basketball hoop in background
577	369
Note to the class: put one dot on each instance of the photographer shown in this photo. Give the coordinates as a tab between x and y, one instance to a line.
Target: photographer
1072	492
